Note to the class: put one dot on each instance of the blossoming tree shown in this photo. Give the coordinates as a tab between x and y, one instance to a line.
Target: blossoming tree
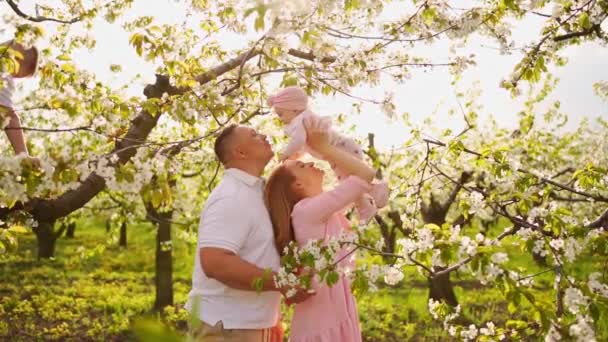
544	188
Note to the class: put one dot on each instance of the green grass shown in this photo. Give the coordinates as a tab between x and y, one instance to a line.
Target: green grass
94	290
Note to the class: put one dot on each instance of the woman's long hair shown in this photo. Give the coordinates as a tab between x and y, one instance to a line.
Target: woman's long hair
280	200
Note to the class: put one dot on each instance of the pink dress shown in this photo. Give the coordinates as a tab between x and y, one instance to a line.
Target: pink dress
330	315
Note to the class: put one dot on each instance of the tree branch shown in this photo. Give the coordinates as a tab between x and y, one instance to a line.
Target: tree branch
601	221
469	258
598	198
37	19
587	32
310	56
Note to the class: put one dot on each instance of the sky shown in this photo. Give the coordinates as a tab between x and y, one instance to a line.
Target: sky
429	94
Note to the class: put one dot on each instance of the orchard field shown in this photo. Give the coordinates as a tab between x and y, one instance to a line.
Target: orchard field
100	291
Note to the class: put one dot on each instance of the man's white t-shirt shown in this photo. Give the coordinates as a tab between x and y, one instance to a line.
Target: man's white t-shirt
235	218
7	88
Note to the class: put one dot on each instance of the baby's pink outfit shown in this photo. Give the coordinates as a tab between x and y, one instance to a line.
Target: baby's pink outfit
331	314
367	205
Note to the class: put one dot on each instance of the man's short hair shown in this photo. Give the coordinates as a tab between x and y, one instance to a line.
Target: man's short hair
222	141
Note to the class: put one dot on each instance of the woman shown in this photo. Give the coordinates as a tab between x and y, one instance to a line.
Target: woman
301	211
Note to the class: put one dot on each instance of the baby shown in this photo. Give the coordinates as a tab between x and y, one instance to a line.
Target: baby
291	106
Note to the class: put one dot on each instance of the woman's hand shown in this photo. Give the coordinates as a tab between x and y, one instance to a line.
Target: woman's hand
317	134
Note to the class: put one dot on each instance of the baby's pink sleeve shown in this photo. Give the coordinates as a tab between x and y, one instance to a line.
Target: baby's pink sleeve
321	207
297	140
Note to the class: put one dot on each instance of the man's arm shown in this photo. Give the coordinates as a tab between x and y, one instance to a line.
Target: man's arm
229	269
223	231
13	131
232	271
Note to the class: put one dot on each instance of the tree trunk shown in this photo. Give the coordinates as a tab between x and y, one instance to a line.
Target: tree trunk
46	239
122	242
164	263
70	230
441	288
108	225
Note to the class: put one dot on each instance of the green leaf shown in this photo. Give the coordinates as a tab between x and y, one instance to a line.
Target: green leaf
512	307
526	122
68	68
594	311
516	324
18	229
156	197
258	284
332	278
584	21
259	23
428	15
350	5
289	80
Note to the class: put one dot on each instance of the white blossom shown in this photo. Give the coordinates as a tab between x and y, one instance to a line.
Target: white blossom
454	233
476	202
500	257
489	330
539	248
393	276
582	331
596	286
379	244
553	335
556	243
467	246
425	239
470	333
436	258
433	306
526	233
558	10
574	300
572	249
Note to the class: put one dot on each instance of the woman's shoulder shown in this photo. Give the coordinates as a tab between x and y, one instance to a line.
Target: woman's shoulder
299	207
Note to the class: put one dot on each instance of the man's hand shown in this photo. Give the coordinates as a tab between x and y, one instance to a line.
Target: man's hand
317	134
300	296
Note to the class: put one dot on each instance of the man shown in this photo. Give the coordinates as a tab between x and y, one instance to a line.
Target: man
26	67
236	246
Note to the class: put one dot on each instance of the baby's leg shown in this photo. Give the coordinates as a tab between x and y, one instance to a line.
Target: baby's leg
379	191
348	145
366	208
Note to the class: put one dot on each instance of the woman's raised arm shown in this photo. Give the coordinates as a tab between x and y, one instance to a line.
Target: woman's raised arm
318	140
